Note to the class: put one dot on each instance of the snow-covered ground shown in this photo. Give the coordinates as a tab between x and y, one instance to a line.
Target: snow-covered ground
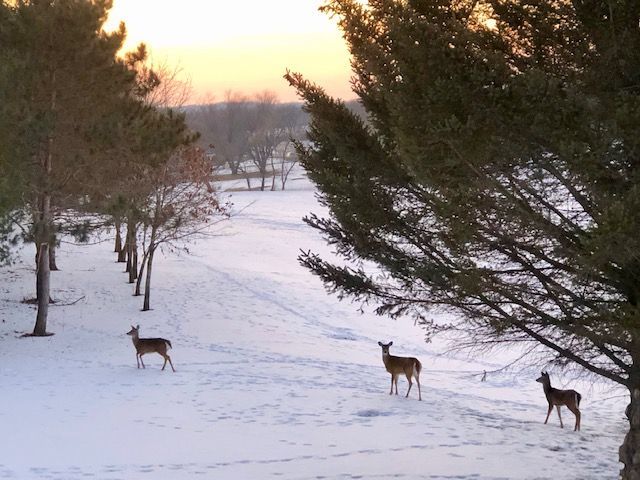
275	378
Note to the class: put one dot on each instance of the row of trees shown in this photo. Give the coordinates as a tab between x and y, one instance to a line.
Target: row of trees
497	176
89	141
252	135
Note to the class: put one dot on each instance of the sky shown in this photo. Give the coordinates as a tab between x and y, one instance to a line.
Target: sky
240	45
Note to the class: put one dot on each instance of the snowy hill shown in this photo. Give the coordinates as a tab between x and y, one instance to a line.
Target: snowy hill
275	378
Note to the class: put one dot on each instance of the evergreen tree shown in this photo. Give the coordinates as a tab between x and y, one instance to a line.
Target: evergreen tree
497	175
10	179
71	83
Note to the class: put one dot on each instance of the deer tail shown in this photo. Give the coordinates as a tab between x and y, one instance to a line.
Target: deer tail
578	398
418	366
167	342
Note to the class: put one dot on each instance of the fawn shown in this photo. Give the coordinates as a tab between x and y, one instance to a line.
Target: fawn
396	365
149	345
556	397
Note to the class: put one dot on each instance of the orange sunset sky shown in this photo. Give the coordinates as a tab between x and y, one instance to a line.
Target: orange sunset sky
241	45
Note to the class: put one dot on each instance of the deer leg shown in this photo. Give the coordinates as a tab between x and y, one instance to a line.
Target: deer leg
576	412
559	416
418	382
167	357
548	413
170	363
141	360
410	384
395	378
391	391
137	362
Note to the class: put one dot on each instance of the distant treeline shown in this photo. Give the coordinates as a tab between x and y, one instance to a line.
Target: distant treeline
253	136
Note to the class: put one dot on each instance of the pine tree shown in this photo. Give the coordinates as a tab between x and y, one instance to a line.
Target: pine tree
71	82
11	180
496	177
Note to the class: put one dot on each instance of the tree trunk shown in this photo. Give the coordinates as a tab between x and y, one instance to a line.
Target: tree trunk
52	255
128	256
53	266
145	259
44	227
147	284
233	165
118	246
247	177
132	252
133	271
42	289
122	254
273	176
284	173
630	448
263	174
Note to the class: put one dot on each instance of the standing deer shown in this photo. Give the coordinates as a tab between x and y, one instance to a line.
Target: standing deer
396	365
556	397
149	345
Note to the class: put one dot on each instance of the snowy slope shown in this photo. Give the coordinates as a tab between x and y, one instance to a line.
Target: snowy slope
275	379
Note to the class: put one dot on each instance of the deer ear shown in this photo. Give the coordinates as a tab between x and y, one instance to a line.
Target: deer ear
390	343
380	343
137	327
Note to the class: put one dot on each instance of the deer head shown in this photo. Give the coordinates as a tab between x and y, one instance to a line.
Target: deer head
385	348
544	378
134	330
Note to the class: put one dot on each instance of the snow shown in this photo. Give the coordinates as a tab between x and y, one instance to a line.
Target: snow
275	378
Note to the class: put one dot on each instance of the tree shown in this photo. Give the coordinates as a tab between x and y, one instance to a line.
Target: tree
266	134
182	204
292	121
10	178
497	176
172	196
155	133
70	82
226	126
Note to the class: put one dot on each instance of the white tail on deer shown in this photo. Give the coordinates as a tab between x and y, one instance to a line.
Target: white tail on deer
556	397
150	345
408	366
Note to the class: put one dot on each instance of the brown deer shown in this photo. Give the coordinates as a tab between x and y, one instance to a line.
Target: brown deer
396	365
149	345
556	397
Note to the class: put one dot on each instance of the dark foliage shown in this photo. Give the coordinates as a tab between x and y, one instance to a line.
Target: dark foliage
497	174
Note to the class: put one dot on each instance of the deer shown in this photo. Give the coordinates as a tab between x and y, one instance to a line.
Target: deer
410	366
150	345
556	397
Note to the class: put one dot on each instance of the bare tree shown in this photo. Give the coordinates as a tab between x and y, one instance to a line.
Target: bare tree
182	204
266	135
259	130
227	126
293	121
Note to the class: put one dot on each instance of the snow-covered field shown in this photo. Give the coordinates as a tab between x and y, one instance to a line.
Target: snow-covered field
275	378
